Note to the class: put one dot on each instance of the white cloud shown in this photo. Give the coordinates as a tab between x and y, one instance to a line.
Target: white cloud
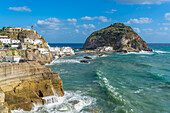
167	16
166	24
22	9
50	23
76	30
139	21
86	26
84	33
137	30
87	18
112	11
101	18
147	30
73	20
141	1
164	28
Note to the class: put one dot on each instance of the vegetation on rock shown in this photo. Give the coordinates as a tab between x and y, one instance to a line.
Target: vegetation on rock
119	36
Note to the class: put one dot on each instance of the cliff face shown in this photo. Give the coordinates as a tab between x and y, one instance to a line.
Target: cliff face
118	36
23	84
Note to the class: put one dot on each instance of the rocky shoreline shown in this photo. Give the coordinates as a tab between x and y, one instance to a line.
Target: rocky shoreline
25	84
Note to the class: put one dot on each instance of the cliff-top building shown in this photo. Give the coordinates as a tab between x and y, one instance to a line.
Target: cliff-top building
12	29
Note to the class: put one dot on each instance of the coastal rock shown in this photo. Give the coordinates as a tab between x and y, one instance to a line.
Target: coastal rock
25	84
86	57
84	62
119	36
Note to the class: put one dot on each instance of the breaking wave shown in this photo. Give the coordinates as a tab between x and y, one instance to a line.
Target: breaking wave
163	52
69	103
112	89
141	52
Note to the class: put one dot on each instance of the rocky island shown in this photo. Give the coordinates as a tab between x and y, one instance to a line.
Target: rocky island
118	36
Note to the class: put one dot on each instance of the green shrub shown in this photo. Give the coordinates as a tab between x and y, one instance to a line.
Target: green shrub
13	53
13	49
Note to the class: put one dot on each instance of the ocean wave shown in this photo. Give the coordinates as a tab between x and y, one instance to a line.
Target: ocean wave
66	61
124	105
71	102
141	52
138	91
57	61
112	89
159	52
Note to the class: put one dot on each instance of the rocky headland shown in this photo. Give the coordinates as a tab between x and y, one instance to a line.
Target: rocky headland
24	84
119	36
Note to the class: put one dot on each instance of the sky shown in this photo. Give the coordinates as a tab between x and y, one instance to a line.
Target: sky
72	21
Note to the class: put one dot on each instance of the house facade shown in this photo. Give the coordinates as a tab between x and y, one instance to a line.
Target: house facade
15	41
12	29
5	39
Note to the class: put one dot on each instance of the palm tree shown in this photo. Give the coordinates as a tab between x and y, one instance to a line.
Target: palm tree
32	27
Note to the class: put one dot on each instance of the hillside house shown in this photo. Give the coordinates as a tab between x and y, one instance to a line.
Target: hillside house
5	39
15	41
12	29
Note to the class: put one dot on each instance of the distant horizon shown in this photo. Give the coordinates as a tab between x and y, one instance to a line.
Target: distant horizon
83	43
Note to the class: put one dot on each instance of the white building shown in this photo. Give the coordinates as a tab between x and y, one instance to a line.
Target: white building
36	41
5	39
67	51
14	46
8	59
108	48
1	59
12	29
43	51
16	58
31	41
13	59
15	41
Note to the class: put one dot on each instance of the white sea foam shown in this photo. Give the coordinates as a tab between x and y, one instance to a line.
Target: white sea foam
159	52
65	61
138	91
52	62
110	87
142	52
71	102
104	56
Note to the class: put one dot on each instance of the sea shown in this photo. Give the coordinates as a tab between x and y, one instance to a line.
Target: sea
113	83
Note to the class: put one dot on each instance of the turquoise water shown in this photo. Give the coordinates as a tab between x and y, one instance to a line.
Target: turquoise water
115	83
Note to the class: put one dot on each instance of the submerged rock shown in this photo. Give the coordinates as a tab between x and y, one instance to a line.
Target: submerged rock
86	57
84	61
119	36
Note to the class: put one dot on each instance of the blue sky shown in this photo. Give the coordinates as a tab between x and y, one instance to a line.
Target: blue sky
72	21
